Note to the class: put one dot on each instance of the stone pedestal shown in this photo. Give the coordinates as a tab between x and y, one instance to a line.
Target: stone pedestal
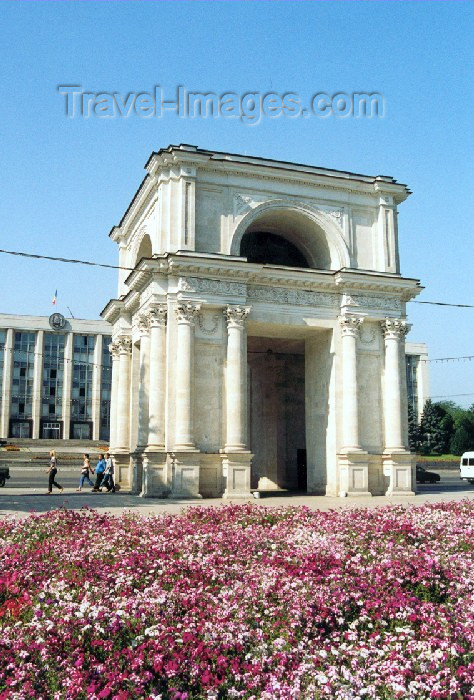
136	471
398	473
353	473
122	465
155	475
236	475
185	474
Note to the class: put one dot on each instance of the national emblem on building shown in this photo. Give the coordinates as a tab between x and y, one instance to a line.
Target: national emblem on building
259	330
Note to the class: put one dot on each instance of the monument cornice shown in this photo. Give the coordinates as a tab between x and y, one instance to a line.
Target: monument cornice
187	161
357	282
111	312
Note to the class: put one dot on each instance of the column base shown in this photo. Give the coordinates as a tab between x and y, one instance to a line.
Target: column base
184	467
122	469
399	473
136	470
155	475
236	474
353	473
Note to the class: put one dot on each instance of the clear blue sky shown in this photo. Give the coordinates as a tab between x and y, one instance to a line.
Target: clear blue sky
65	182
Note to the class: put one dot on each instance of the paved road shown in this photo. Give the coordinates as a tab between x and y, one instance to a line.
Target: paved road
25	492
35	477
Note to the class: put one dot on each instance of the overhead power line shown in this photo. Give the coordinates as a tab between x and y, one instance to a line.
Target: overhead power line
444	303
131	269
65	260
450	396
466	358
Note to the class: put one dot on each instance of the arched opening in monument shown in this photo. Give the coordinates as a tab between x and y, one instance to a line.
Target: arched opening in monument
145	249
269	249
277	413
288	237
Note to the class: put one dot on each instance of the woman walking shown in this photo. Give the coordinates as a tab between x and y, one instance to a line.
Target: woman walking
86	469
52	471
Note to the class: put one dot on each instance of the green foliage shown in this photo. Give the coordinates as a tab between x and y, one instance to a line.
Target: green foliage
445	428
436	429
414	433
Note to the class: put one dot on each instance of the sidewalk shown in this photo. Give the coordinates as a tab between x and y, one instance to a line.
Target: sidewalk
20	502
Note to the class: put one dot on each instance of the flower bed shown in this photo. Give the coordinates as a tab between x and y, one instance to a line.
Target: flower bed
239	602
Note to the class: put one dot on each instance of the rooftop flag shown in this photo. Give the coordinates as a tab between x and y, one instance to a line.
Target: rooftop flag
55	298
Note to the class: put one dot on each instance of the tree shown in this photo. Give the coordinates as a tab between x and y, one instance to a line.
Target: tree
436	428
463	437
414	433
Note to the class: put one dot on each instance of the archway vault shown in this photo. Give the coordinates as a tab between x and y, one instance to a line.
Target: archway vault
313	232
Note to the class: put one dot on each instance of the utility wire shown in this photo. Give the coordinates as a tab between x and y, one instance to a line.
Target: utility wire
466	358
66	260
131	269
443	303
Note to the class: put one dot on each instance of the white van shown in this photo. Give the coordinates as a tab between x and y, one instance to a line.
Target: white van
467	467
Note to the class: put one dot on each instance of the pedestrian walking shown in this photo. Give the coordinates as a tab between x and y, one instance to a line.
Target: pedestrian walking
108	480
52	471
85	471
99	473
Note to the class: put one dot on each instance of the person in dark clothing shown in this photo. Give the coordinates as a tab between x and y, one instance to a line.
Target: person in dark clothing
108	480
52	471
99	473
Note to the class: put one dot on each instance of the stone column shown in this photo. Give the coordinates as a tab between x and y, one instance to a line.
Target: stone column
144	328
123	401
156	479
37	384
185	315
184	460
114	352
352	460
157	376
7	383
350	327
394	331
398	463
96	387
236	463
67	384
236	389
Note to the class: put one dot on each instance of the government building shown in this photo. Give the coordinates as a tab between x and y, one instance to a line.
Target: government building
55	378
258	334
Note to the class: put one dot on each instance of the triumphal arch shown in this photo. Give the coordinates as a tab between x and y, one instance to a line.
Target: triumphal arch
259	330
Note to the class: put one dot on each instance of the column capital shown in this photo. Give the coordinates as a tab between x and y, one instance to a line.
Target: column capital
350	325
114	350
395	328
157	315
143	324
124	343
186	313
236	316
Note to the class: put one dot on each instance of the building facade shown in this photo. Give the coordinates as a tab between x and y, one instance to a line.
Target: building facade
55	378
259	330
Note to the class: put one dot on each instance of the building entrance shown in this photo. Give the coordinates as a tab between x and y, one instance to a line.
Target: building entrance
277	413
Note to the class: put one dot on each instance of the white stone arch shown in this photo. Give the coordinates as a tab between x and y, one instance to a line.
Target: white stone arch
320	230
142	247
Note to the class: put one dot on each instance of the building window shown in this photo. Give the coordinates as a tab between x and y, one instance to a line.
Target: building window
3	338
83	367
412	382
81	431
52	376
22	380
106	389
